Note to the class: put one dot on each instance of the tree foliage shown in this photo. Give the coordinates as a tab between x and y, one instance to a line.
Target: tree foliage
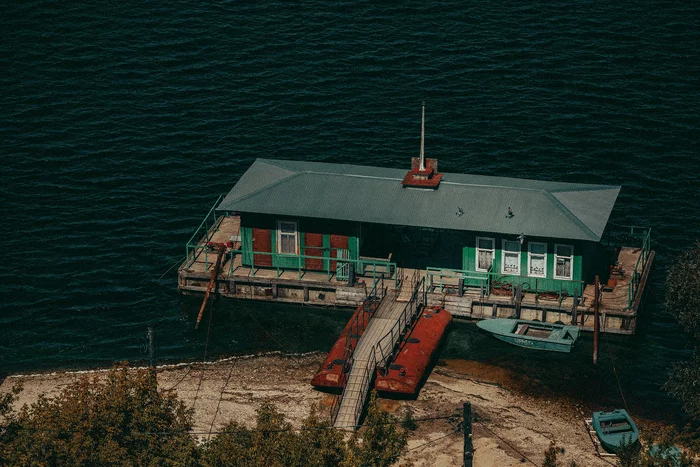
683	290
683	301
274	443
379	442
122	419
102	421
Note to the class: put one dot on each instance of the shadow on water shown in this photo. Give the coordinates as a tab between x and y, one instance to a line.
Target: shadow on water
245	327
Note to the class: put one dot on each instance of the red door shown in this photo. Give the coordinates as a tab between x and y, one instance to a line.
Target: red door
262	241
312	240
337	241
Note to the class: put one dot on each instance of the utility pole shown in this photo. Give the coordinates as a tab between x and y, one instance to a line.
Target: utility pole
596	321
468	446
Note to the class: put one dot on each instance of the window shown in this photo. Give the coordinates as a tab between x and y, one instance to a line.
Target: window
511	257
563	262
287	238
537	259
484	253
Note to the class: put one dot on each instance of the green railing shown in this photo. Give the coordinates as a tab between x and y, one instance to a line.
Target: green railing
639	267
202	235
487	281
363	267
436	277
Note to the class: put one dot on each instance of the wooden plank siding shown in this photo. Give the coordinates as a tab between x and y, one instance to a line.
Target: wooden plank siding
548	283
316	237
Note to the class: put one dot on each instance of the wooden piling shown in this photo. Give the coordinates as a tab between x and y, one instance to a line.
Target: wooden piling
467	425
574	308
596	321
518	299
214	272
151	352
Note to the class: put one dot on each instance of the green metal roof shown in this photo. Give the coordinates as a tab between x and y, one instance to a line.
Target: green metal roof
374	194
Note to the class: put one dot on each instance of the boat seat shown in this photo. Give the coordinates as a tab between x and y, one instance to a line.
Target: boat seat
617	429
523	329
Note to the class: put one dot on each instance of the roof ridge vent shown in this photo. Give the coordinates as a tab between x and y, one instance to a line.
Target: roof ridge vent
424	172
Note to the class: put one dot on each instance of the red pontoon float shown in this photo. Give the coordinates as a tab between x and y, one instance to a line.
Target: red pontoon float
331	375
405	373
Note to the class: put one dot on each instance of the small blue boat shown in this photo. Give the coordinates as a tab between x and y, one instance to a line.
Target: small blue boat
614	427
532	334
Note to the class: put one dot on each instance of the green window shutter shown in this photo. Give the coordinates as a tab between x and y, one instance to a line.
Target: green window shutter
247	245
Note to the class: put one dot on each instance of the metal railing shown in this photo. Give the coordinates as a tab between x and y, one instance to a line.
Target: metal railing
204	233
389	344
490	281
367	375
369	306
376	270
639	268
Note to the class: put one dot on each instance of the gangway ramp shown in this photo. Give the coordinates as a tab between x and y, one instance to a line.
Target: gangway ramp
375	347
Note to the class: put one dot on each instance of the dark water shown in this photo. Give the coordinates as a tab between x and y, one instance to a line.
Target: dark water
120	125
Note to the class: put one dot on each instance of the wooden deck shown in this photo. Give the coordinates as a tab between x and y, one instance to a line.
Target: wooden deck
239	281
316	287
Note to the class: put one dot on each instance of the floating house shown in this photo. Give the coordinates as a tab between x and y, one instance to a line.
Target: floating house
323	234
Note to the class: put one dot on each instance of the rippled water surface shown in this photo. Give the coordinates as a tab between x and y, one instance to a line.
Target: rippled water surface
121	124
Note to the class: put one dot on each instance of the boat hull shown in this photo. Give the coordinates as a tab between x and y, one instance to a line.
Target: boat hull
532	334
614	427
333	371
404	376
535	344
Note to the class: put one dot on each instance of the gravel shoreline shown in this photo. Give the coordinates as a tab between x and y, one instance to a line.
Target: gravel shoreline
510	426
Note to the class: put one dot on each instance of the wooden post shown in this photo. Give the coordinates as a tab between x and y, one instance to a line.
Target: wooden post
596	321
460	291
306	294
468	447
518	299
151	353
214	272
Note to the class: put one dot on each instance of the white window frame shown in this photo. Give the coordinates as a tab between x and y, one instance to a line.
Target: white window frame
556	256
296	237
503	257
529	259
492	250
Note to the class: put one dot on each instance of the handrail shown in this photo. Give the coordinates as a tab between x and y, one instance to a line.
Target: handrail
198	239
373	299
389	343
488	278
639	268
376	272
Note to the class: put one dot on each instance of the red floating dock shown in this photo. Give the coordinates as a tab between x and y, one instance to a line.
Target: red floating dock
404	375
333	370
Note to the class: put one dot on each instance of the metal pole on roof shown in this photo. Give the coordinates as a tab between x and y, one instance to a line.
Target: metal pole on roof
422	140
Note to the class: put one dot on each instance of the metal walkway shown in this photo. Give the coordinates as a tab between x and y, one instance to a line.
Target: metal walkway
375	348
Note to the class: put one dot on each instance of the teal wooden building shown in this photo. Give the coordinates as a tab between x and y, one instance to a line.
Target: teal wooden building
476	239
543	234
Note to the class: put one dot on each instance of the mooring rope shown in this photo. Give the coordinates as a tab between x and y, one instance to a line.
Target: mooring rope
619	386
221	396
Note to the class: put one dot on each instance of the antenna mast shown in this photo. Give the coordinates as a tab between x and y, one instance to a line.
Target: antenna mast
422	140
